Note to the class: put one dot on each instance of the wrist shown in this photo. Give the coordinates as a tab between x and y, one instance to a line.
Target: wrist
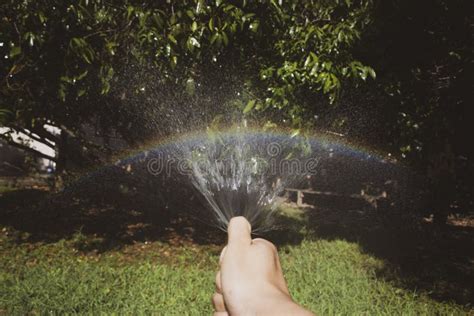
284	305
273	301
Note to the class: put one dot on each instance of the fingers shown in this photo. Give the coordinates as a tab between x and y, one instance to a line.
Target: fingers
270	254
218	282
218	302
265	243
239	232
221	257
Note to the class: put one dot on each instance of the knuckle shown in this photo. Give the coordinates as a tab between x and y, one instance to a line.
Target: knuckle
260	242
218	282
215	298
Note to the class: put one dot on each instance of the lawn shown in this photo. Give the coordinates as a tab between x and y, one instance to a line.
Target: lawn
154	277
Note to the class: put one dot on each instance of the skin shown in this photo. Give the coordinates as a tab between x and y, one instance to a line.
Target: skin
250	280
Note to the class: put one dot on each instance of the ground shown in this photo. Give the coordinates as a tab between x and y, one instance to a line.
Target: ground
59	256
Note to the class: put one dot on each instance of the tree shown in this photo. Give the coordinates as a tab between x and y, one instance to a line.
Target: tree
423	56
64	63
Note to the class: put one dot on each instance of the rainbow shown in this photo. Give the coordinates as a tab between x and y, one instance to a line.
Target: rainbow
339	145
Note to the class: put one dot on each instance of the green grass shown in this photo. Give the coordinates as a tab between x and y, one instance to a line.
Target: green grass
56	279
335	277
100	288
328	277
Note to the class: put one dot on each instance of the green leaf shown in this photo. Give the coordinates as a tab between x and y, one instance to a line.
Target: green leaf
41	17
190	14
130	10
62	92
172	39
254	26
295	133
78	42
65	79
215	38
14	51
308	61
328	84
190	86
194	42
225	39
211	24
174	61
372	72
249	106
199	7
363	74
81	92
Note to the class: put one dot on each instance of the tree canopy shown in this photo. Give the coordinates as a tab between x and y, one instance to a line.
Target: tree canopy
62	58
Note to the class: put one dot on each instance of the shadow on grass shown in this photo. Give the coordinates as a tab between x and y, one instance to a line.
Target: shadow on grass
419	254
115	208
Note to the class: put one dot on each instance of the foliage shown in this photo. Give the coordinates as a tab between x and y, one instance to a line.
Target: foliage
425	69
61	60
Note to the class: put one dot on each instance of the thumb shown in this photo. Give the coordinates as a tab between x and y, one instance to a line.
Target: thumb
239	232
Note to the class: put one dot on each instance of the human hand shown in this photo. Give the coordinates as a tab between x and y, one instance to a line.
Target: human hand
250	280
